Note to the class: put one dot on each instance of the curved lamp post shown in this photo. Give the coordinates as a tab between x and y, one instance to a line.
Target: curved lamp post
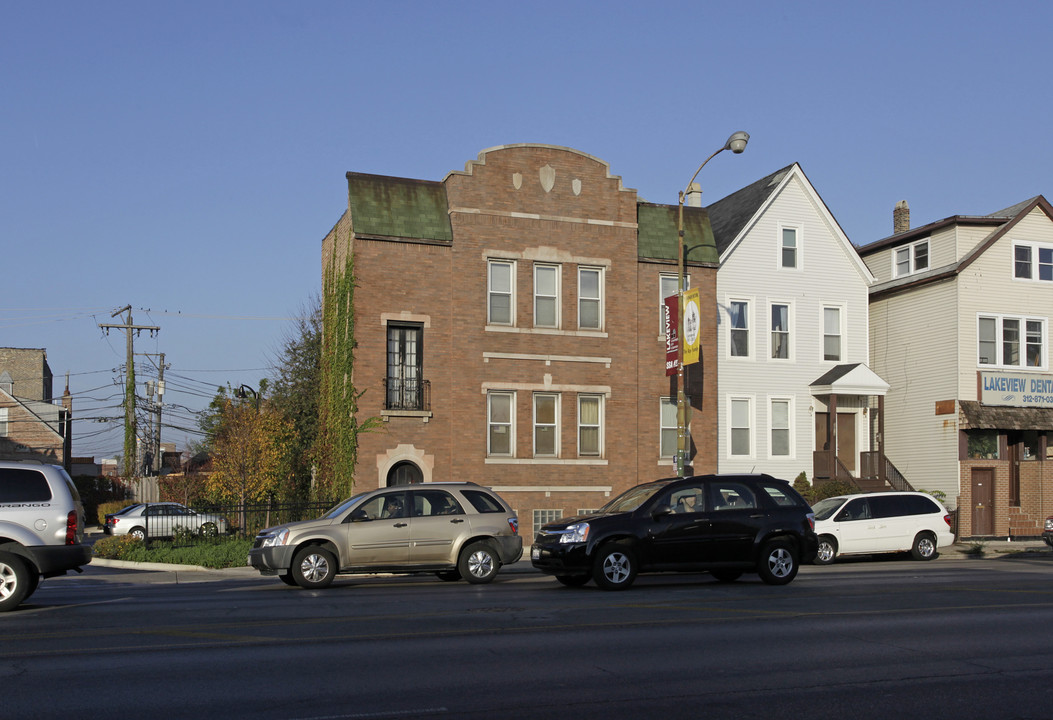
736	144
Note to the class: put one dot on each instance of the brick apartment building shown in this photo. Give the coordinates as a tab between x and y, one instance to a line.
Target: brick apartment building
32	425
507	329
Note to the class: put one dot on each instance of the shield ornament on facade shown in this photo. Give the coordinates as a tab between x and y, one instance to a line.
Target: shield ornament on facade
517	180
548	177
575	185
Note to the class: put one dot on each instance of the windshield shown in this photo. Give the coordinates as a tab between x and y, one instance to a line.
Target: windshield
632	498
825	508
343	507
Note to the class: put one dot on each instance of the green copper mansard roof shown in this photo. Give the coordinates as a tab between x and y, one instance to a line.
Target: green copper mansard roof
398	207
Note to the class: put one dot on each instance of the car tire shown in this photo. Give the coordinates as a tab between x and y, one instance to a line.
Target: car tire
924	547
449	575
778	563
573	580
726	575
827	552
209	530
314	568
479	563
15	581
614	567
288	579
138	533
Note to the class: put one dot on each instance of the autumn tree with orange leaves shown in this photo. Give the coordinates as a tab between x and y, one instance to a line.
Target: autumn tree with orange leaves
250	452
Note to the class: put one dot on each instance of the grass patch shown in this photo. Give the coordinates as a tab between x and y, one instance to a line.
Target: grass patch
211	553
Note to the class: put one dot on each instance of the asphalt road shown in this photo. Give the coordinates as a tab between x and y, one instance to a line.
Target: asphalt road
944	639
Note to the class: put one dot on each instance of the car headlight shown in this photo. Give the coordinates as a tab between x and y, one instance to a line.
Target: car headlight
578	532
276	538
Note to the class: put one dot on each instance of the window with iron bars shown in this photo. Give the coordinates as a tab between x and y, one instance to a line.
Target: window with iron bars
404	387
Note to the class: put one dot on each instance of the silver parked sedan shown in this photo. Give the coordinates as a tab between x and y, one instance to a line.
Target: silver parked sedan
153	520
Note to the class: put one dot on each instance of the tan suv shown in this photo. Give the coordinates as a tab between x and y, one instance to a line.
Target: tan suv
456	530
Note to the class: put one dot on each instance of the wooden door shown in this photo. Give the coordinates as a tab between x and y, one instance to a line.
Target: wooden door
983	501
846	437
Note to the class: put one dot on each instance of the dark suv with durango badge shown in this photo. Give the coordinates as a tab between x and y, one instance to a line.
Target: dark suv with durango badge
724	524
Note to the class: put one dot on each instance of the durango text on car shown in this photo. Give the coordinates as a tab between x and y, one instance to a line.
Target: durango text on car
725	524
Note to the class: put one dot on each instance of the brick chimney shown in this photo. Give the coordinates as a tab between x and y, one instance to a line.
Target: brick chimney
901	218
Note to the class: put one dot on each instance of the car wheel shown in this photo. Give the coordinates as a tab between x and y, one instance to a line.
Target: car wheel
209	530
15	581
478	563
615	567
778	563
827	550
314	568
287	578
138	533
449	575
726	575
573	580
924	547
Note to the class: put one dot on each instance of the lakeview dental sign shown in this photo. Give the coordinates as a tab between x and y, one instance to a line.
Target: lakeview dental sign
1016	389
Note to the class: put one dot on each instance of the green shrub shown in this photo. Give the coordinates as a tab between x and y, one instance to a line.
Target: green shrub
213	553
115	547
108	508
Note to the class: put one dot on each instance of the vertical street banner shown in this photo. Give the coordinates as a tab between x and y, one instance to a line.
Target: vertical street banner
672	342
692	326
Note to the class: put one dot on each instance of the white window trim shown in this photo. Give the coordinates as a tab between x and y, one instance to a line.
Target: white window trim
661	298
752	426
999	318
1034	247
600	300
555	426
3	422
600	440
912	251
797	255
511	424
841	315
666	401
750	328
790	320
792	428
557	297
512	291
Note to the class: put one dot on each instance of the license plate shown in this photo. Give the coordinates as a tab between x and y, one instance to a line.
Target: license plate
535	553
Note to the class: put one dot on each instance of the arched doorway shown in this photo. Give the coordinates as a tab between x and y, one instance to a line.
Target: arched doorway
404	473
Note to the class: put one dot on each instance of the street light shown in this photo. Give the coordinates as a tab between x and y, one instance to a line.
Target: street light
736	144
243	393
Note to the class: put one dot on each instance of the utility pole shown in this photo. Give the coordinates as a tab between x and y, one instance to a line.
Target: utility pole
157	417
130	465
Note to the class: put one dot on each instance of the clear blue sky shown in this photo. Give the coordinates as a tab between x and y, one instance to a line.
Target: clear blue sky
186	158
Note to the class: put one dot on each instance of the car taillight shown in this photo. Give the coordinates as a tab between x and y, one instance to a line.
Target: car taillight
947	519
811	520
513	522
71	528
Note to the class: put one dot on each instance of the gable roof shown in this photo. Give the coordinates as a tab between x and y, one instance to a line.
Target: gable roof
733	216
1004	221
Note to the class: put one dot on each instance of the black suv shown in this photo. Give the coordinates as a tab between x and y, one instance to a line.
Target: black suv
726	524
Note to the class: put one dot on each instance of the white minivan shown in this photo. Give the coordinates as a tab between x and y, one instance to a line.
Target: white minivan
882	522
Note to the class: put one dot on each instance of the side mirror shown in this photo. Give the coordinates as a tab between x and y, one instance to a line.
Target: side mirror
661	511
359	515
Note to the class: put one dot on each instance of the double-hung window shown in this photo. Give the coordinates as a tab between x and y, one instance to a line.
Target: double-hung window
667	421
739	328
780	331
500	410
1033	261
590	425
404	385
741	436
832	334
911	258
546	425
788	248
3	422
590	298
1005	341
546	296
500	309
780	427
